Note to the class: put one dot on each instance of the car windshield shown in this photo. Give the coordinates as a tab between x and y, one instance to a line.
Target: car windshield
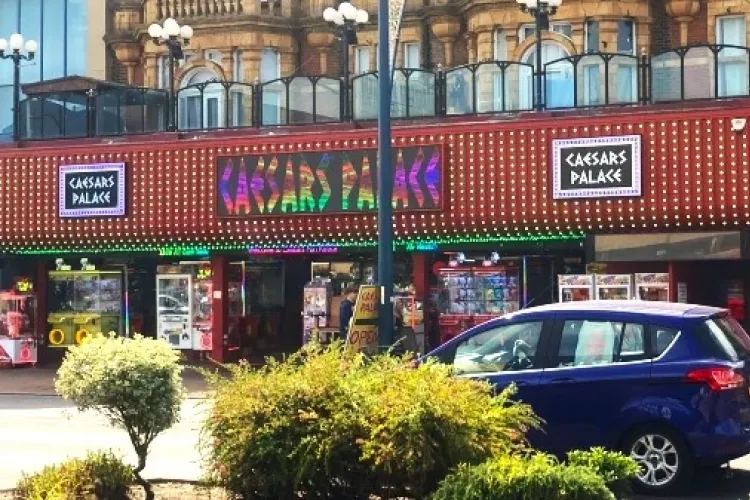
729	336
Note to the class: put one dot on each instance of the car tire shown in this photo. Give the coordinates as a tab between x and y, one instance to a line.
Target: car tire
666	461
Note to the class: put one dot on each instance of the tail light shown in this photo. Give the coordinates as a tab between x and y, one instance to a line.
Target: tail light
718	379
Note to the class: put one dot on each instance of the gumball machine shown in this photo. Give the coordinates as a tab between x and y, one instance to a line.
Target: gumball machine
18	343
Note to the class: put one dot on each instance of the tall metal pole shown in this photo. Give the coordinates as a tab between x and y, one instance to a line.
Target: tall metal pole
16	96
385	181
538	18
345	69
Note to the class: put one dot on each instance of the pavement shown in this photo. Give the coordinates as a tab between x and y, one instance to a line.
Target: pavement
37	430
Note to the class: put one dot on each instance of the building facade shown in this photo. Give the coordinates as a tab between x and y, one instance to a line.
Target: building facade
70	34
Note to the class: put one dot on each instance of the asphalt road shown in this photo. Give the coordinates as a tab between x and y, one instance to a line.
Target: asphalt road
40	430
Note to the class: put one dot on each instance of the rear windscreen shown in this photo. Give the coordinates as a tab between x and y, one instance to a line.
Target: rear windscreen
725	338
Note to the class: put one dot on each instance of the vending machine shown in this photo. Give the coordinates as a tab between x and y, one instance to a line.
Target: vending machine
614	286
174	311
316	309
575	287
18	342
652	286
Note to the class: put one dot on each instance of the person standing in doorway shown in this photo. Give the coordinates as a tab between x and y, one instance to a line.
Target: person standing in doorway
346	311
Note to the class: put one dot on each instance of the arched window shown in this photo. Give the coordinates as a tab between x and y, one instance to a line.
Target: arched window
558	84
201	104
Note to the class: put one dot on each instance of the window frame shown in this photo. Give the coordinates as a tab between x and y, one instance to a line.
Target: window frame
553	353
523	36
717	24
586	48
448	356
405	50
634	51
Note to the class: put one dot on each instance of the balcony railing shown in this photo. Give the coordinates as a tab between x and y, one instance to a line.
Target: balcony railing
495	87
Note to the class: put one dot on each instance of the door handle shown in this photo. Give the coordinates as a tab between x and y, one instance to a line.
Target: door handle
561	381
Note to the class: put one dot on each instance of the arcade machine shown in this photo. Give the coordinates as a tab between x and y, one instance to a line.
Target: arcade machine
83	303
202	286
575	287
18	343
175	305
652	286
461	296
316	311
614	286
500	288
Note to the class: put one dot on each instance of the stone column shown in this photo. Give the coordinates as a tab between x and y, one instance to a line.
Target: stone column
683	11
320	42
446	29
151	71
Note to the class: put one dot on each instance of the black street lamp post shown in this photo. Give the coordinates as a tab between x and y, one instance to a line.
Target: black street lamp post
174	37
541	10
346	19
13	46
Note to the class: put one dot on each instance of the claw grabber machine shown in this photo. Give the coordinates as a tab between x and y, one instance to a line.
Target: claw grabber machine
576	287
614	286
652	286
18	342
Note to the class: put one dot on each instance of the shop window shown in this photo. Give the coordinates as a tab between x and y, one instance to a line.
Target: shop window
502	349
626	36
270	70
558	89
732	61
201	108
593	343
411	55
361	60
592	36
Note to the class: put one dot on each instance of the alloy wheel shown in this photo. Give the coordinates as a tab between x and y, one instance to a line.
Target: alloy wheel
658	459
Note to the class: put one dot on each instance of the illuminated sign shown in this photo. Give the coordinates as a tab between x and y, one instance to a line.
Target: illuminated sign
331	182
24	285
421	246
183	252
294	250
601	167
96	190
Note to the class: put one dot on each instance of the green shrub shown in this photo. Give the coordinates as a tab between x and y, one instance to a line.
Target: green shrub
100	475
326	424
517	477
135	383
615	468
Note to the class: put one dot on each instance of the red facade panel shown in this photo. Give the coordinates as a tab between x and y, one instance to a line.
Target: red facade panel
496	175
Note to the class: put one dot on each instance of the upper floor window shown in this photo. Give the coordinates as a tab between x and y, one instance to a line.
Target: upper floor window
411	55
270	65
731	30
592	36
626	36
529	30
214	56
361	60
499	46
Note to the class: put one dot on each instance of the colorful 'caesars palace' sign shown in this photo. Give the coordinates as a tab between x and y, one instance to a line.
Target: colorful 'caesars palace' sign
326	182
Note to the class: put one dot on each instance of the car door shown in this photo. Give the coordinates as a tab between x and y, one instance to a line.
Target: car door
598	368
503	354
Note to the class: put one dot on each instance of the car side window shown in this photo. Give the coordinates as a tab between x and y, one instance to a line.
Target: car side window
591	343
501	349
661	338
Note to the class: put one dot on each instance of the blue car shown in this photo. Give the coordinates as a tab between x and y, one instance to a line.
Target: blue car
665	383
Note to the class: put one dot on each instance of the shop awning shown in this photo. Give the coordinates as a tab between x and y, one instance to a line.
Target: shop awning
725	245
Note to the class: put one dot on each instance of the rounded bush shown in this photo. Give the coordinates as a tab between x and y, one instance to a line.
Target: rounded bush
99	475
515	477
326	424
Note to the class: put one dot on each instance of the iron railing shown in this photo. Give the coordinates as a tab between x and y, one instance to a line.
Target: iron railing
578	81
